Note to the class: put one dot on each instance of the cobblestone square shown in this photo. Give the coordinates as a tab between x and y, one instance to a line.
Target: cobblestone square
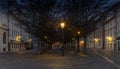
29	60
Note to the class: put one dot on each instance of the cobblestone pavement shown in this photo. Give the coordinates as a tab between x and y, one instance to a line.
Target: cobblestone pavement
93	59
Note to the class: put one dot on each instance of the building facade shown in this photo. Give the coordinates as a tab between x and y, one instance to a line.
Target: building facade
107	35
3	30
118	32
13	35
18	36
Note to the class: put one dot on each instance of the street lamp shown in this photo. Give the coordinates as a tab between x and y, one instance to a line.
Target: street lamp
62	47
82	42
78	32
96	40
46	42
62	25
78	41
109	38
18	38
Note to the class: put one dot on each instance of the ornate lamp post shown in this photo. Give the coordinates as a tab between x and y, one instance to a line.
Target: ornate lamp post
62	47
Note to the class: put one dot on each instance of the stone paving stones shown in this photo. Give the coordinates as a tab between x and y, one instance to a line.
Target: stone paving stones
24	60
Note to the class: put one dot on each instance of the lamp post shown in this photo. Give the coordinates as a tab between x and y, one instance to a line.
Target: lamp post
46	43
62	47
78	42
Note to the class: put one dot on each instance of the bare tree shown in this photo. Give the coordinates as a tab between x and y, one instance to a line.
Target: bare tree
42	16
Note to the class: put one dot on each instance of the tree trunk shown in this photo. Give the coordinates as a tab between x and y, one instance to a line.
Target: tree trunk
85	45
78	45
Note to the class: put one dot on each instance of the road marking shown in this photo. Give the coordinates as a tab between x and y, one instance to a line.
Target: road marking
109	60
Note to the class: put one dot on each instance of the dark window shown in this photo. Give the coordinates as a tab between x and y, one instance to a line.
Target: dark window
4	37
4	49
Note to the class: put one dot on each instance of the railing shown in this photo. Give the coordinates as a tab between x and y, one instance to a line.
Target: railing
18	46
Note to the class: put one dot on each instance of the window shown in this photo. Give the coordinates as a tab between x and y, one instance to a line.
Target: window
4	38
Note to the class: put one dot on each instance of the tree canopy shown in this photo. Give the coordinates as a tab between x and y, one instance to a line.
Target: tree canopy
43	17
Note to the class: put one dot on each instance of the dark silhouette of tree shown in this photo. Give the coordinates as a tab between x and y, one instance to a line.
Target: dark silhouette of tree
43	16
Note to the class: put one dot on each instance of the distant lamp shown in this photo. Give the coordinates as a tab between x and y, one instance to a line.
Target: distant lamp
62	47
96	39
109	38
78	32
82	42
62	25
18	38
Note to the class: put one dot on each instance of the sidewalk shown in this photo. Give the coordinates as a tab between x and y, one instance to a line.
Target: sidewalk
1	53
19	52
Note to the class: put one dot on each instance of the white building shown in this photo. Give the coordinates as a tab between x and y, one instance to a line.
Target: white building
3	30
11	30
110	35
90	40
18	37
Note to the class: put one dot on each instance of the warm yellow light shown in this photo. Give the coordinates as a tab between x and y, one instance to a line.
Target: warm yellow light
29	40
109	38
18	38
62	25
81	42
96	40
78	32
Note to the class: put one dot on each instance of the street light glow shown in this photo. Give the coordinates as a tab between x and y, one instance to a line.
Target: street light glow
78	32
18	38
62	25
82	42
109	38
96	39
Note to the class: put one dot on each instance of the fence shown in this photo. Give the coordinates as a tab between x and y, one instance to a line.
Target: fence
18	46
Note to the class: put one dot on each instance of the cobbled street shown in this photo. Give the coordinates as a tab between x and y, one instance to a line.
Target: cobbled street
93	59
